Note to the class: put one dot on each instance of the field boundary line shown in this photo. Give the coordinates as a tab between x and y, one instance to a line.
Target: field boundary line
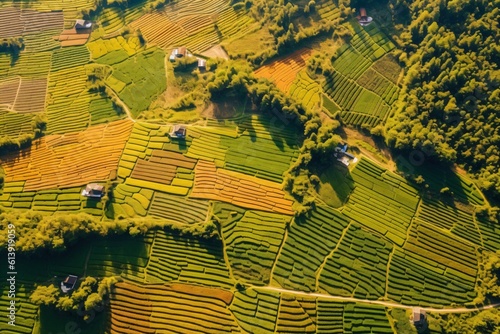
224	251
375	302
149	255
285	236
17	94
322	265
387	270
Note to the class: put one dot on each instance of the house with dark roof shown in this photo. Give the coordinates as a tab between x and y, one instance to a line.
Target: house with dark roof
179	131
83	24
202	64
69	283
93	190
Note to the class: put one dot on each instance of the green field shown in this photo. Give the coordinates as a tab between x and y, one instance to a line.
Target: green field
223	207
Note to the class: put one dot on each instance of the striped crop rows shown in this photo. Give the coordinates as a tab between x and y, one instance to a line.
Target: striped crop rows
239	189
358	266
256	312
173	308
252	241
189	261
305	90
69	160
309	241
283	71
179	209
392	201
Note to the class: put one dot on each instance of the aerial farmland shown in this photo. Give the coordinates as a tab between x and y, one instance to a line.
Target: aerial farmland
174	166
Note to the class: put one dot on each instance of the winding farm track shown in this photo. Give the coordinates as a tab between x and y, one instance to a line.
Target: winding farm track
375	302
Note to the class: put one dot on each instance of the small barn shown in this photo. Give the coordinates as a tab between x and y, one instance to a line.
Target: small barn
181	52
69	283
179	131
93	190
83	24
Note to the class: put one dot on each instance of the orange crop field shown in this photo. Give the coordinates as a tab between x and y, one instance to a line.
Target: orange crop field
69	160
239	189
283	71
72	37
178	308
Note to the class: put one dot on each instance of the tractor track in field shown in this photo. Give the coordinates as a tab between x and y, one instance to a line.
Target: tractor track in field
375	302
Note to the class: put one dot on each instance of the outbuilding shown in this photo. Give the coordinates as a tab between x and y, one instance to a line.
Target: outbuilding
93	190
83	24
69	283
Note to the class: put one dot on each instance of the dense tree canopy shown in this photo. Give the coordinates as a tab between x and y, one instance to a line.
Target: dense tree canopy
450	104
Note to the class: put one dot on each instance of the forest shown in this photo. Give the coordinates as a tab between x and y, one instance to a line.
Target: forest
450	104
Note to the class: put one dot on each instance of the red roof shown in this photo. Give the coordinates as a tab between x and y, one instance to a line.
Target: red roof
362	12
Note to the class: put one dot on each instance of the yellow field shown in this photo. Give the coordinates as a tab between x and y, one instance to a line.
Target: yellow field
69	160
239	189
284	70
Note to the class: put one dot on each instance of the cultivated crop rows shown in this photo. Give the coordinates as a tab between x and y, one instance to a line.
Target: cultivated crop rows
114	19
32	65
26	312
14	124
196	24
31	95
120	257
69	160
105	50
328	10
358	265
305	90
8	92
392	201
178	308
239	189
101	111
190	261
68	199
308	243
456	221
256	312
179	209
16	23
296	315
252	241
284	70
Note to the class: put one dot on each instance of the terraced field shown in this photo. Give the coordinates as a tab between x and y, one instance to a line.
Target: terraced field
358	85
283	71
306	90
392	200
68	160
239	189
198	24
178	308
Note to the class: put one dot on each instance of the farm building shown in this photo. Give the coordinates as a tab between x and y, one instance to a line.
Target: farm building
179	131
363	18
418	318
69	283
343	156
83	24
202	64
93	190
181	52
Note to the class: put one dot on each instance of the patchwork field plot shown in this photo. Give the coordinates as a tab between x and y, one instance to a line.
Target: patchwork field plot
179	209
26	312
114	19
388	67
70	9
305	90
391	200
363	93
456	221
69	160
175	308
189	261
262	147
256	312
252	240
358	265
296	315
13	124
362	318
15	22
143	77
197	24
114	50
31	95
239	189
120	256
68	199
308	243
283	71
8	92
29	65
